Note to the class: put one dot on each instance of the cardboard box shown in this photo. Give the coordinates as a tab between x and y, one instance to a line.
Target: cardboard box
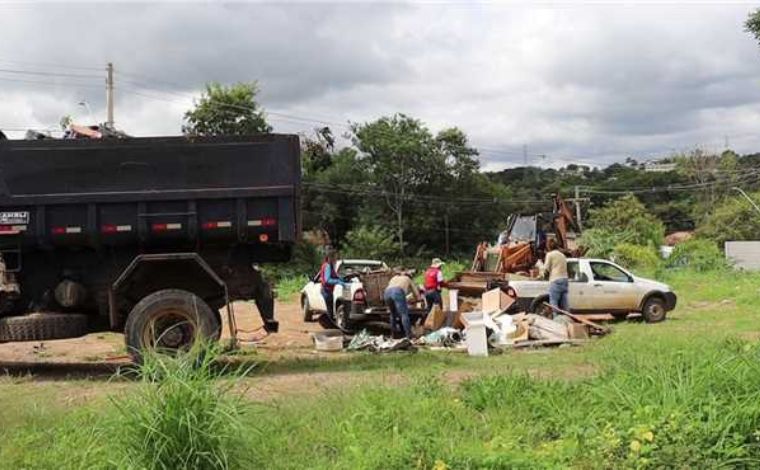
435	319
577	331
495	300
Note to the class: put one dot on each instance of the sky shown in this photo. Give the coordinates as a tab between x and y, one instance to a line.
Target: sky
551	83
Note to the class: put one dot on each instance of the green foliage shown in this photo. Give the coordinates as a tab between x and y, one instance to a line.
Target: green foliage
628	215
681	394
226	110
599	243
636	257
289	278
373	242
677	411
733	219
752	24
182	417
697	254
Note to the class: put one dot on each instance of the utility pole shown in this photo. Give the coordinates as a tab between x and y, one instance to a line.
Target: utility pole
109	94
577	201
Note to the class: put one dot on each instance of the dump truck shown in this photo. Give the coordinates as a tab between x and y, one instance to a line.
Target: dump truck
151	237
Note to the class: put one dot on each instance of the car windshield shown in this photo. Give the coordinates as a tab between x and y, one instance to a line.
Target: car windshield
351	268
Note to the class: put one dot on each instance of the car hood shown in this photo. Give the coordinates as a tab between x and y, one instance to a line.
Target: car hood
649	284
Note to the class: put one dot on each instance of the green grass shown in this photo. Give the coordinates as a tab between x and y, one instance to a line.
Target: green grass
289	287
681	394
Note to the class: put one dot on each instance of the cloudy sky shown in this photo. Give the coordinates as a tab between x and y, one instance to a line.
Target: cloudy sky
569	82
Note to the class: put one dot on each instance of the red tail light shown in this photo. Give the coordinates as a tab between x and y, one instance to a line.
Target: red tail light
359	296
268	222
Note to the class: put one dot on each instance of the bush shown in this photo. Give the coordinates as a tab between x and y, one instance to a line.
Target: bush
733	219
372	242
697	254
628	221
182	416
601	243
636	257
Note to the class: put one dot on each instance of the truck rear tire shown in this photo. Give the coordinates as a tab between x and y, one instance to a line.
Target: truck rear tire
42	326
342	318
170	320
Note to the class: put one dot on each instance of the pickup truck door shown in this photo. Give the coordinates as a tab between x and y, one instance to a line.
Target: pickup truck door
612	289
314	292
579	289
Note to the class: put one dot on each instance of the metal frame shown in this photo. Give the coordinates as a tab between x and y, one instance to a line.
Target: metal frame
159	257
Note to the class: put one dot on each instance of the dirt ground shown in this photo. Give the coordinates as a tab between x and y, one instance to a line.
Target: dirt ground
292	339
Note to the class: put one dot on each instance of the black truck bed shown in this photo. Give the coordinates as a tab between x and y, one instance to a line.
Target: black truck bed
146	191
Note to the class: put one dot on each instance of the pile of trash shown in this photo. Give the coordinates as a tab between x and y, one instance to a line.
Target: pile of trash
490	327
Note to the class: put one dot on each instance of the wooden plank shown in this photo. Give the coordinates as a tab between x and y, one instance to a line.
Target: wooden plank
603	329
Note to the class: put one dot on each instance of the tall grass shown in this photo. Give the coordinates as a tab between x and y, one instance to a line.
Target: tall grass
183	416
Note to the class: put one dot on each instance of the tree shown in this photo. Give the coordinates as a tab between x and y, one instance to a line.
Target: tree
317	151
227	110
628	220
752	24
412	170
733	219
374	242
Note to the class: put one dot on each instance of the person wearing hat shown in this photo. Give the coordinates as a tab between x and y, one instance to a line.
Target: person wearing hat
433	284
400	288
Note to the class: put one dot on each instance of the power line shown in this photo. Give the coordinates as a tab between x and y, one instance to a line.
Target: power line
48	64
49	74
51	83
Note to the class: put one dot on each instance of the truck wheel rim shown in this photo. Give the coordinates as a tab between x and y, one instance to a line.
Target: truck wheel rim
655	311
170	329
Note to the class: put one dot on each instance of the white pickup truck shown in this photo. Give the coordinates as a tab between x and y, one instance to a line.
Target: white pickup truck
356	305
601	286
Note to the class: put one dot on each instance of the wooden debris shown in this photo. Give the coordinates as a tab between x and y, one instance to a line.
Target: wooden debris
596	328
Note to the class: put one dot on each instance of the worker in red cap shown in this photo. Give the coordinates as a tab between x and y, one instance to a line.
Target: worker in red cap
433	284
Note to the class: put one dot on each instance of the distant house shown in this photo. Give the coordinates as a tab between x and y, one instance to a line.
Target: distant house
656	167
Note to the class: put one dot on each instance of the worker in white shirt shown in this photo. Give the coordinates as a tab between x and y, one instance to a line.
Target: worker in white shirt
555	269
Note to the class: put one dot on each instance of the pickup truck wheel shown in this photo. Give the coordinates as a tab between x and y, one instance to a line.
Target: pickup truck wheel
306	309
654	310
42	326
170	320
342	320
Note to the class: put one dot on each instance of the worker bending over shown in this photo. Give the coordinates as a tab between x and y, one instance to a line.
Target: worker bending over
399	287
555	268
434	284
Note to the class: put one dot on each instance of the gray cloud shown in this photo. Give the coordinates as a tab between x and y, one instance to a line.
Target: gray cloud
584	83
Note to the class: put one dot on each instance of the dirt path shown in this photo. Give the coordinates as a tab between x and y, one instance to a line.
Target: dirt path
293	339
